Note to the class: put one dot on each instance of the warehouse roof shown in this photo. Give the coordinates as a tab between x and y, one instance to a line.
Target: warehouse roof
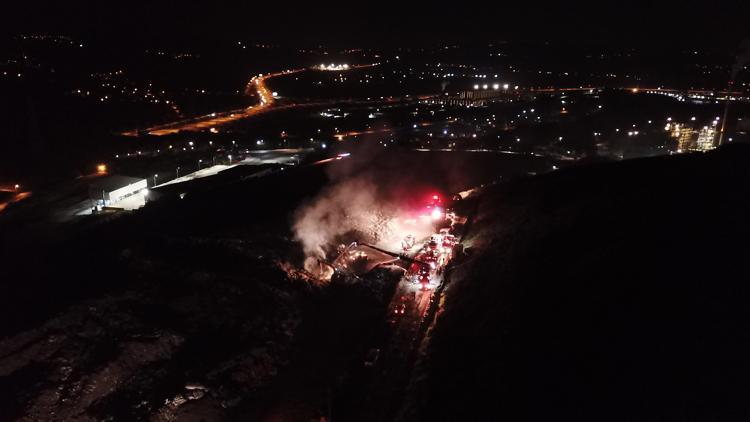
114	182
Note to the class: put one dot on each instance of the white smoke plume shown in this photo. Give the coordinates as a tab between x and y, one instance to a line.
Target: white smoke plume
351	205
375	194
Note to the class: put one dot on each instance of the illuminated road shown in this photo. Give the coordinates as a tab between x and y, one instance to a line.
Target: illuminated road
384	392
382	386
256	85
704	92
18	196
342	135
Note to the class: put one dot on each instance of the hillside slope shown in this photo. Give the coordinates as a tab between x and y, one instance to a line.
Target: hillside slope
608	292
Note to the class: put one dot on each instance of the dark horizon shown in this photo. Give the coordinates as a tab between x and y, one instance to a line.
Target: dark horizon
710	26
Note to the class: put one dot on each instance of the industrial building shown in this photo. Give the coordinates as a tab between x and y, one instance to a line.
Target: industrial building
108	191
707	138
685	135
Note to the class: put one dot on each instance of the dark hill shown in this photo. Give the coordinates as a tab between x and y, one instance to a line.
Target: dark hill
608	292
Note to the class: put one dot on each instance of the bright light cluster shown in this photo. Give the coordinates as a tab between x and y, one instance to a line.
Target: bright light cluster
333	66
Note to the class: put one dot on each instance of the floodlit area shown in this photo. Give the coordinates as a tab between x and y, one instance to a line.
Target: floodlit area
420	240
206	172
134	201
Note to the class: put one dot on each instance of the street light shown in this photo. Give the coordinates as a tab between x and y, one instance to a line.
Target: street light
230	158
178	172
199	164
17	186
155	176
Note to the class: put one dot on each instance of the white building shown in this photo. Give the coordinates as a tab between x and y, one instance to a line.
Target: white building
109	190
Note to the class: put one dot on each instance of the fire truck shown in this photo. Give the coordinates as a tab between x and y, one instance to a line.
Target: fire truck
436	251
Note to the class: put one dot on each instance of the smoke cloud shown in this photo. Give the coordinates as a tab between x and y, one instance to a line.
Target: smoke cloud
373	197
376	195
350	206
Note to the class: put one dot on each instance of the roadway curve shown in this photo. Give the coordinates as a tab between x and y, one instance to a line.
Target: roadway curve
257	85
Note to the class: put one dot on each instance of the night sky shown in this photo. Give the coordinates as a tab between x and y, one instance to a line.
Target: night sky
388	23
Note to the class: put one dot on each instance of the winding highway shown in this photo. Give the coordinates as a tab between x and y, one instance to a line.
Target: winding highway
256	85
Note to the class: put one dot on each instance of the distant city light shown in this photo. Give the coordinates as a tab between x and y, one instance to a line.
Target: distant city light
333	66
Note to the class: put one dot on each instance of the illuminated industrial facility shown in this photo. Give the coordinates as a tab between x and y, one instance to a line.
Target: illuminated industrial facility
690	139
706	138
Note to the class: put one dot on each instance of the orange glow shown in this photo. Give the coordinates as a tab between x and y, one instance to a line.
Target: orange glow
101	169
266	102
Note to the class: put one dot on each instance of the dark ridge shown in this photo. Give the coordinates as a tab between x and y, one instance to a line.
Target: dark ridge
605	292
